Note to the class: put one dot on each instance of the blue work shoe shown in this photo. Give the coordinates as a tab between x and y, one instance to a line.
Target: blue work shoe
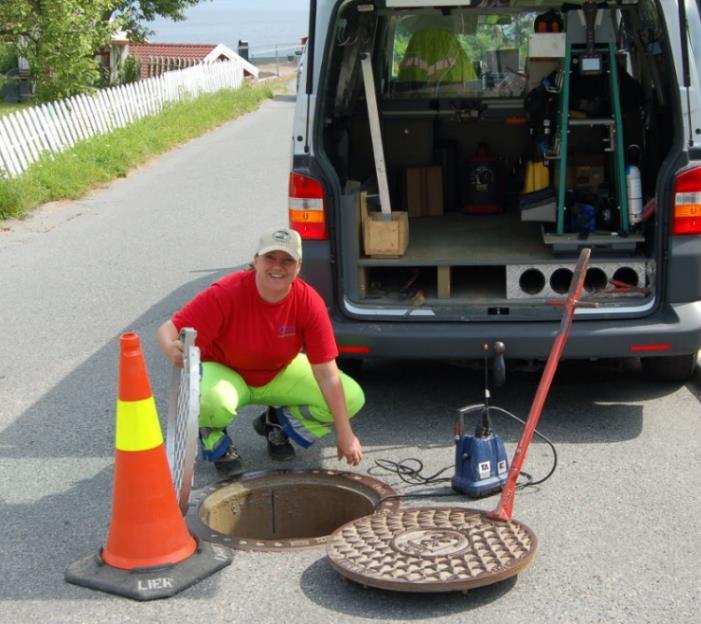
216	446
230	462
267	425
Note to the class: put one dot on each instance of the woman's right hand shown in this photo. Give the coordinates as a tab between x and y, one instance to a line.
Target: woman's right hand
174	352
169	342
349	447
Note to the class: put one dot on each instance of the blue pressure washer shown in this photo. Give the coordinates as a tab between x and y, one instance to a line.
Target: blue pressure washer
481	464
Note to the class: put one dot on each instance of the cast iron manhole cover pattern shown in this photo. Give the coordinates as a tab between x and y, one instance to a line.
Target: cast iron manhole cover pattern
283	510
431	549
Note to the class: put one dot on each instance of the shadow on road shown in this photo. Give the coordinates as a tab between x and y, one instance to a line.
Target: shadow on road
285	97
324	586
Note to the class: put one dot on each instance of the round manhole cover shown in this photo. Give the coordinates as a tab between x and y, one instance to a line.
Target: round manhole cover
431	549
283	510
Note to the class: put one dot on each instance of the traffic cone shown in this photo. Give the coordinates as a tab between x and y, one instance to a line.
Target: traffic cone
147	527
149	551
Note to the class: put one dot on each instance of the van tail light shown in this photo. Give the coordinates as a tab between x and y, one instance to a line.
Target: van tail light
354	350
306	207
687	203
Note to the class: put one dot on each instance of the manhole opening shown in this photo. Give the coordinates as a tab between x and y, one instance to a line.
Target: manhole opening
290	511
286	510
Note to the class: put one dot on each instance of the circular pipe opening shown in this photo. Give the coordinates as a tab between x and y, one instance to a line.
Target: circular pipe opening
560	280
285	510
532	281
595	280
626	275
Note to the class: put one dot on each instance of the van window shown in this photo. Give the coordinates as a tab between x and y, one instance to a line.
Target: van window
459	55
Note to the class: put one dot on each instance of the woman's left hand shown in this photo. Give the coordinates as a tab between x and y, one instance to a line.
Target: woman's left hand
348	446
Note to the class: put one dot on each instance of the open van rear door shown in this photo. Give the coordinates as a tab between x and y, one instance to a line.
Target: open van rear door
688	46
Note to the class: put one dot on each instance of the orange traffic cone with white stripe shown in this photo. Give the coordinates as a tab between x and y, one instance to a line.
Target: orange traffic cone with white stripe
147	533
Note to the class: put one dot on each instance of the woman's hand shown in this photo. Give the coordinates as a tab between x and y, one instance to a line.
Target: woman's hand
174	352
348	446
169	342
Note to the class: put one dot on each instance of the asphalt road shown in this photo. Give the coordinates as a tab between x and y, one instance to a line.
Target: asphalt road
618	523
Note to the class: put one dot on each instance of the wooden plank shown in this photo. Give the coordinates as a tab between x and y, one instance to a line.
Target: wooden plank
111	109
124	99
95	122
68	121
150	89
99	112
105	110
59	127
26	137
134	104
362	282
51	127
142	85
376	135
16	143
10	162
76	116
443	282
103	106
41	140
87	106
117	114
46	128
84	116
140	100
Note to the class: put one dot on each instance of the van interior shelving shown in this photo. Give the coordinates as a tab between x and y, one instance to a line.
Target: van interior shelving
520	152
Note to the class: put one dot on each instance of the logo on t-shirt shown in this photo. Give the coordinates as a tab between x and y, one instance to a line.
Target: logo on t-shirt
285	331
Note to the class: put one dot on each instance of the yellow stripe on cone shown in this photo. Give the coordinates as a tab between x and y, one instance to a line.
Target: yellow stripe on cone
137	426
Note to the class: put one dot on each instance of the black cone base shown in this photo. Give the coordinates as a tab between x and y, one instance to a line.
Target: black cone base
149	583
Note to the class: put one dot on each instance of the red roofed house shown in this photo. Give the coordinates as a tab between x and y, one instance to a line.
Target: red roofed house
155	58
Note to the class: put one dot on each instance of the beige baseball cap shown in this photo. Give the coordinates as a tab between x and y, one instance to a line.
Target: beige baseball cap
281	239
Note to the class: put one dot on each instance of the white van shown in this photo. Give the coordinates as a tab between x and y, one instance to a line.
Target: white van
451	158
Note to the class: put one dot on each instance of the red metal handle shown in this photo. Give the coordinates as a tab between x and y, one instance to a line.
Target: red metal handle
506	503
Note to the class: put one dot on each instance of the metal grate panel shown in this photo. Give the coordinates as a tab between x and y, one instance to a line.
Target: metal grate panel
183	416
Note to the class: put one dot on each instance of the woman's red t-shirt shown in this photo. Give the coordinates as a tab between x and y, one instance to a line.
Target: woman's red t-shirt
257	339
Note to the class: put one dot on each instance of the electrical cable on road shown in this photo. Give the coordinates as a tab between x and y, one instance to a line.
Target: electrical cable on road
409	470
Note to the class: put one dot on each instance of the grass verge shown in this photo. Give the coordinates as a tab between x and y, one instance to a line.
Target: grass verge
6	107
96	161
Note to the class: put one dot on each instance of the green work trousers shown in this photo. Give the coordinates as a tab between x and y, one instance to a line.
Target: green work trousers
305	417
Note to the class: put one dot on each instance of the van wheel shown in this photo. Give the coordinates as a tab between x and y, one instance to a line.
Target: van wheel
670	367
350	366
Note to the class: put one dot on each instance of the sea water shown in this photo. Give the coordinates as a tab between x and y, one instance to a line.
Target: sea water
264	24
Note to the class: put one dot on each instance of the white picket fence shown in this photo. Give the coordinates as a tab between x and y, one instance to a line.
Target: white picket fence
28	134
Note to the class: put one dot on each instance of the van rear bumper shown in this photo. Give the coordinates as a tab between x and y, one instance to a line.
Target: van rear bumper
674	329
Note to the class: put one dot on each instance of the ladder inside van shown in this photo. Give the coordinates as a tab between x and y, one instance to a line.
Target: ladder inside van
614	123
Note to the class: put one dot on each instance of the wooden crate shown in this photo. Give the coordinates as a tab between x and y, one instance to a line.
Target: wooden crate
383	236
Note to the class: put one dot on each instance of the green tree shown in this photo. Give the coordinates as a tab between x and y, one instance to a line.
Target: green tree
129	70
8	61
59	39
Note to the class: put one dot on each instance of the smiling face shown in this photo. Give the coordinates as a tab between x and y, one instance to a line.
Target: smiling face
275	272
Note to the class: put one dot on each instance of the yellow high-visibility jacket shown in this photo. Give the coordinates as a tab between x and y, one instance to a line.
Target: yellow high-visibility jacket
435	56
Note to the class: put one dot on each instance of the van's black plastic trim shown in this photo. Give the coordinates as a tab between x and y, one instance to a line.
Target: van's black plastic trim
311	41
676	325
